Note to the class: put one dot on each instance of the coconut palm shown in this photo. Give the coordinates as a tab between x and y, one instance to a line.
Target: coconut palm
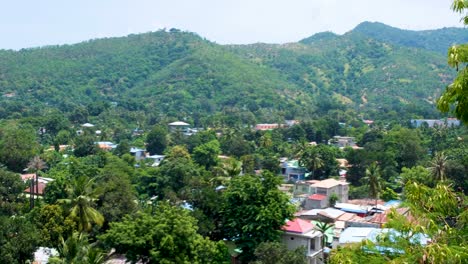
439	166
373	180
77	250
81	199
311	159
323	227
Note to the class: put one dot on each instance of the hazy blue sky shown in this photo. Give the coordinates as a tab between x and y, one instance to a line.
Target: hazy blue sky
43	22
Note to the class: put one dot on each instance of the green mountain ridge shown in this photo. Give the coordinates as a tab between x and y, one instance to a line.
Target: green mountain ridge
181	75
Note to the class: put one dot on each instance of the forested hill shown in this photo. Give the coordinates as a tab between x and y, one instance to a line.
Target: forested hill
181	75
437	40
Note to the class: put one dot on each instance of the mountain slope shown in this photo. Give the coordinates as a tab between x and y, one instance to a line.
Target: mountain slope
437	40
181	75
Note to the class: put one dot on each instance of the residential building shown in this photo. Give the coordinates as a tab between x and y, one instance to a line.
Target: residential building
301	233
155	160
138	153
321	191
263	127
449	122
292	171
342	142
179	126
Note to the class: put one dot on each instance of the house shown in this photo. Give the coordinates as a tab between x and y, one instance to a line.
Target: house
449	122
301	233
138	153
105	145
87	125
40	187
155	160
321	191
263	127
292	171
179	126
316	201
358	234
343	142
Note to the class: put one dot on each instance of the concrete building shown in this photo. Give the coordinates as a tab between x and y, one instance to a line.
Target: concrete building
321	191
179	126
301	233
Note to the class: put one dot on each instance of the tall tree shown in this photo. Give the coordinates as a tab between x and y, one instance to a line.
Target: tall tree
168	236
17	146
373	180
254	211
157	140
76	249
207	154
11	189
439	166
312	160
18	240
36	165
81	198
456	94
323	228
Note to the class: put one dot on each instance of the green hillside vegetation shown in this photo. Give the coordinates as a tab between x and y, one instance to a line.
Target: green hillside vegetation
142	79
437	40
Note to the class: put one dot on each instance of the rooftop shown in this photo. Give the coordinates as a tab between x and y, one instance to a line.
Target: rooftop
328	183
179	123
298	226
318	197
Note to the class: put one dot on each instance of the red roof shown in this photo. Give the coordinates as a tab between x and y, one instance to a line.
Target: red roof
29	176
42	187
317	197
298	226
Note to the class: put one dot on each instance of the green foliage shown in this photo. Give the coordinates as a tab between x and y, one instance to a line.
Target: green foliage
84	145
417	174
77	250
80	203
11	189
157	140
456	94
52	224
248	211
168	236
18	240
275	252
207	154
18	146
373	181
320	160
116	194
389	194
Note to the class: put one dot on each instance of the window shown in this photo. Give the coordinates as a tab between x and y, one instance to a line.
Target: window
312	245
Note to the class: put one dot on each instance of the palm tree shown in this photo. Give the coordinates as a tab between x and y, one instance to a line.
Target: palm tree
323	227
439	166
81	199
311	159
373	181
77	250
36	165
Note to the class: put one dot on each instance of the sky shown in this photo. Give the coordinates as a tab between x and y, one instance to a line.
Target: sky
33	23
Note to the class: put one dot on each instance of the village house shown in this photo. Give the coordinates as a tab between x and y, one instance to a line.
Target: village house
291	170
343	142
178	126
449	122
319	192
301	233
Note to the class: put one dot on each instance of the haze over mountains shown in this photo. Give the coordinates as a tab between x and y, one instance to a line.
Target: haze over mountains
373	70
